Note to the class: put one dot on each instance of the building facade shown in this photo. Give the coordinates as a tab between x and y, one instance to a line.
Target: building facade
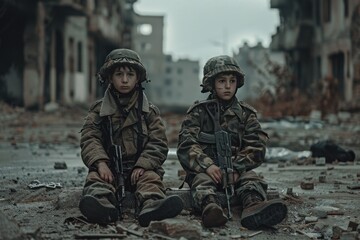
181	85
173	84
321	40
148	42
254	62
51	50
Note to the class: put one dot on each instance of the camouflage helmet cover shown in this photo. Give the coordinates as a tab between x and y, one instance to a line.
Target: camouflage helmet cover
118	57
220	64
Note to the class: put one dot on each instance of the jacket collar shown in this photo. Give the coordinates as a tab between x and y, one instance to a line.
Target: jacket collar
109	107
235	109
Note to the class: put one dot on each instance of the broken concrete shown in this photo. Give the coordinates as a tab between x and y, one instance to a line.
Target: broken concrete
177	228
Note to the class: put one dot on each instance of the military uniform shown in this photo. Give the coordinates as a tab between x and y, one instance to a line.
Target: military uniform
141	135
248	148
197	150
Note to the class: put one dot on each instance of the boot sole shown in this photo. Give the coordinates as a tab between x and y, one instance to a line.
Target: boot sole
268	215
170	208
97	213
214	218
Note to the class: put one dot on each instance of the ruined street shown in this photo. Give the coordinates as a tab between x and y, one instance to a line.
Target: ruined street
41	178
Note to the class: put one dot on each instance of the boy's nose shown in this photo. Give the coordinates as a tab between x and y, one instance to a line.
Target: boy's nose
125	79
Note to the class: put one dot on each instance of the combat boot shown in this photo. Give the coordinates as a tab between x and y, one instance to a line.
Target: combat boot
258	212
212	213
98	210
156	210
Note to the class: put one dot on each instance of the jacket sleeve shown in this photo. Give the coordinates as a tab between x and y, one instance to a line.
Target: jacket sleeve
91	141
156	148
253	149
190	152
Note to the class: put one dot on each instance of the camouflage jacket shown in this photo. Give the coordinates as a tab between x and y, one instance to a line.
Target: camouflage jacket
95	134
248	140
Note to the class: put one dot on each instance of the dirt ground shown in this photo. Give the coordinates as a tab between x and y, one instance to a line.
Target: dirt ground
37	145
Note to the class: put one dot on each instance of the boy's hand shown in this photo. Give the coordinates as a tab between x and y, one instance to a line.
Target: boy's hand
215	173
105	172
136	173
236	177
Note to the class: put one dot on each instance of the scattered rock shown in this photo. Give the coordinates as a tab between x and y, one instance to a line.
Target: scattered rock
354	186
307	185
352	226
51	107
9	229
60	165
322	178
311	219
320	213
176	228
320	161
272	194
337	232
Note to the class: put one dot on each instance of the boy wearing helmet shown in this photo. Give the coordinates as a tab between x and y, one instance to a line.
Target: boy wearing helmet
198	150
125	118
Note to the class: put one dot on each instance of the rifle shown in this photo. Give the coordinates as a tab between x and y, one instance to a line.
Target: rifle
116	158
223	154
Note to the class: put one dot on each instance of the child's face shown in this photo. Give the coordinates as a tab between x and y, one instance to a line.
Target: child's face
124	79
225	86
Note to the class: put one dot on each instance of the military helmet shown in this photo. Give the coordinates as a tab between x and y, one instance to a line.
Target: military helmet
220	64
118	57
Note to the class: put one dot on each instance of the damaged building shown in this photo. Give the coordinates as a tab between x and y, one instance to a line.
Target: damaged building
174	83
51	50
254	62
321	42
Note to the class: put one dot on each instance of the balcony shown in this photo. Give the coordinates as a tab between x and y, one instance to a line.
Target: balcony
67	7
305	36
104	28
279	3
277	42
289	38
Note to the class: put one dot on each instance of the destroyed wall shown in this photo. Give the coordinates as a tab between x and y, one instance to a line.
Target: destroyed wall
355	54
149	43
33	71
110	26
12	24
332	46
253	61
51	50
316	36
76	70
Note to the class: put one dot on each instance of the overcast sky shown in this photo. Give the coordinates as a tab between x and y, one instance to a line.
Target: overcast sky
200	29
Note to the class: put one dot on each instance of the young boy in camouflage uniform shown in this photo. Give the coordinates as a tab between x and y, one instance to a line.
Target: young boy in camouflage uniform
125	117
198	156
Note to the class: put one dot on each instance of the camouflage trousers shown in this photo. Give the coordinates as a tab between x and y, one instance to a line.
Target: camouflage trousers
149	186
202	186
